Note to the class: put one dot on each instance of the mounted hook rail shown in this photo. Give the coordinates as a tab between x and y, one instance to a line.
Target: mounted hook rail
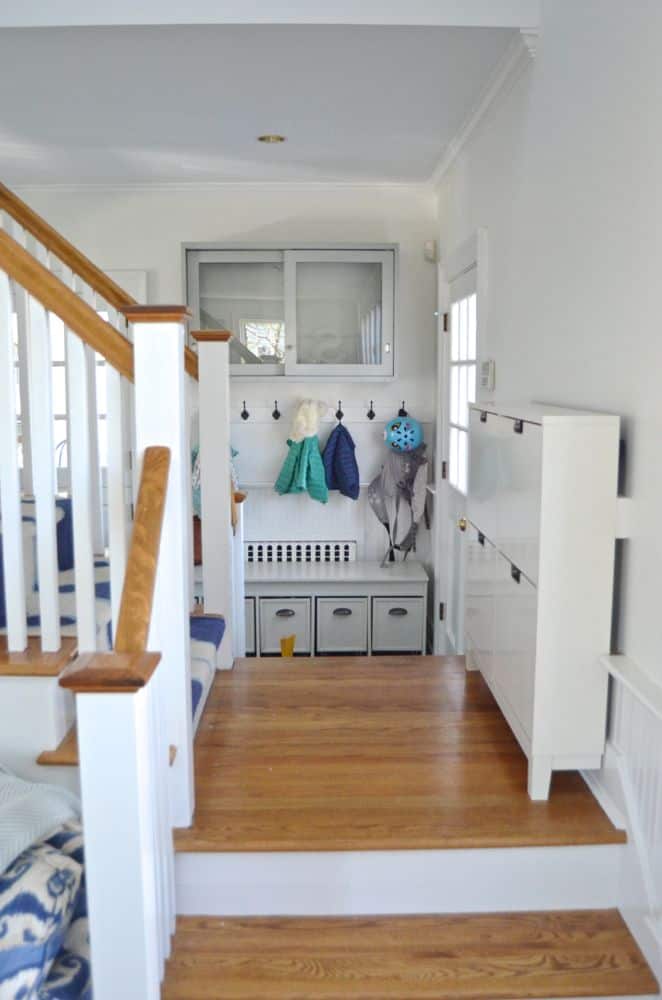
402	412
244	413
276	414
339	412
371	412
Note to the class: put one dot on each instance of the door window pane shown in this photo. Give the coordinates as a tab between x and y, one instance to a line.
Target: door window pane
246	298
471	320
463	443
463	330
338	313
455	395
455	332
463	418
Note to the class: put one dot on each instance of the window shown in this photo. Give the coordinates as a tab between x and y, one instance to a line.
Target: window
264	339
462	389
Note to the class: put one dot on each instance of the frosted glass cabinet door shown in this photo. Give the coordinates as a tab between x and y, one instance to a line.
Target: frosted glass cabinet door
242	291
339	312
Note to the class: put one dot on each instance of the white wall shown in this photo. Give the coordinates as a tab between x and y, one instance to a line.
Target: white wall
144	228
565	176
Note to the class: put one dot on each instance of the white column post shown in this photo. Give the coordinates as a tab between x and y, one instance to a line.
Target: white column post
160	414
122	871
10	486
217	538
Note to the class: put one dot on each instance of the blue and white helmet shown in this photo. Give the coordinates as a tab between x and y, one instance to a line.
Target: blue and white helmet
403	434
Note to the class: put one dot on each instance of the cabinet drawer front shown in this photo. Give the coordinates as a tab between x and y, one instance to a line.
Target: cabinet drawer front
514	661
520	485
398	624
284	616
342	624
479	598
483	492
249	605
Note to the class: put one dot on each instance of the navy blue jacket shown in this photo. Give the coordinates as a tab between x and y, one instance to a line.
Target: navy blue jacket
342	472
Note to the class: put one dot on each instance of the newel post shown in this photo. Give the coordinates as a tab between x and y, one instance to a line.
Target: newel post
160	418
125	847
215	484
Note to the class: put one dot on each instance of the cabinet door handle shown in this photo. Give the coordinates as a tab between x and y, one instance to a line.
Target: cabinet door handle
481	538
518	426
515	573
285	613
398	612
483	416
342	612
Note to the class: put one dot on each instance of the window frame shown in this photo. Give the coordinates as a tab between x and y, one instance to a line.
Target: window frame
463	290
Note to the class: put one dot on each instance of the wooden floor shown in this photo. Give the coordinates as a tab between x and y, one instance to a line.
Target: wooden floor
481	957
367	754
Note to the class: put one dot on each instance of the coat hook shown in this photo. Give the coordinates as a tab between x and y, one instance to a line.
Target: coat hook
276	412
339	412
371	412
244	413
402	412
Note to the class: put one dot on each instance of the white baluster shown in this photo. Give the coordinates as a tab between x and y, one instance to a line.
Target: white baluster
160	410
118	525
238	588
88	295
10	487
217	539
43	470
81	472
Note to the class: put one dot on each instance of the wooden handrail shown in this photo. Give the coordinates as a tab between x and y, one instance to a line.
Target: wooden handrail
76	314
138	591
63	249
129	667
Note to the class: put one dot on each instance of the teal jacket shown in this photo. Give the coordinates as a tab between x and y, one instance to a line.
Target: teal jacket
303	470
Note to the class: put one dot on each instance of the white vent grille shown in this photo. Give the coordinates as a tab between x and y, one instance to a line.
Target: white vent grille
300	552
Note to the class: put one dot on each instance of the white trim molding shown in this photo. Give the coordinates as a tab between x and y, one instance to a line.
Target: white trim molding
517	56
451	13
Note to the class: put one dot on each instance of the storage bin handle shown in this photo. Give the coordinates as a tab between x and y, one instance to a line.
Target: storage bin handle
285	613
342	612
398	612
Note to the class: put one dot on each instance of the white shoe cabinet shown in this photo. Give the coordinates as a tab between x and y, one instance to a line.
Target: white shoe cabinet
541	535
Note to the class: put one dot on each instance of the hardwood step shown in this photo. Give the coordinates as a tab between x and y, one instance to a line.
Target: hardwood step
486	957
64	755
32	662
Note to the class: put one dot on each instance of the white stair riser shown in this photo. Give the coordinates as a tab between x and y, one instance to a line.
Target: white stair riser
345	883
51	713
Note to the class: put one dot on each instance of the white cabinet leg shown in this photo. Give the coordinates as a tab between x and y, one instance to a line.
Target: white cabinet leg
540	777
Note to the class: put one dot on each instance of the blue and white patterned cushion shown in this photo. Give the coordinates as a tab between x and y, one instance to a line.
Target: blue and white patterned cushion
69	979
38	896
69	841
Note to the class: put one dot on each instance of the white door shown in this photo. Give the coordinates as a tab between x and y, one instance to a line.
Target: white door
458	364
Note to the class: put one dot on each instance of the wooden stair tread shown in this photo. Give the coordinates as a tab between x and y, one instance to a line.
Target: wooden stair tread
65	754
32	662
380	753
482	957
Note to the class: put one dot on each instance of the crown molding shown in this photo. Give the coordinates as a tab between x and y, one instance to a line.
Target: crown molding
421	186
519	54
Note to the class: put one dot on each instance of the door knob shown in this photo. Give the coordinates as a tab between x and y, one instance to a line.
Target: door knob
462	524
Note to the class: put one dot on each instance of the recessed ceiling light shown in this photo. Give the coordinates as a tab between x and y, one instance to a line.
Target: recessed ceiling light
271	138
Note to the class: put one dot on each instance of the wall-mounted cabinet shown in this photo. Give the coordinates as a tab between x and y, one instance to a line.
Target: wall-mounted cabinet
302	313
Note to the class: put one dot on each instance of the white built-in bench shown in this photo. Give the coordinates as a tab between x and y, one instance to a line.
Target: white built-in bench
336	608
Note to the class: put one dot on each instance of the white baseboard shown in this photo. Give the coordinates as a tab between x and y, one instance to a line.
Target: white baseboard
346	883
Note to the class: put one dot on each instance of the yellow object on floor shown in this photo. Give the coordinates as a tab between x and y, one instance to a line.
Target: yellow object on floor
287	645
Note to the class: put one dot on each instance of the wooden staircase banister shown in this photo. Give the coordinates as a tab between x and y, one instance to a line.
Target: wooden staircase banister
129	667
76	314
63	249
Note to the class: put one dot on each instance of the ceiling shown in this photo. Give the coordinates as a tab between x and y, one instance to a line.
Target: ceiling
141	104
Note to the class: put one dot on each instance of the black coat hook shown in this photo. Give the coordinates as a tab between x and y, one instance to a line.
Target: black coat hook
402	412
371	412
244	413
276	411
339	412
